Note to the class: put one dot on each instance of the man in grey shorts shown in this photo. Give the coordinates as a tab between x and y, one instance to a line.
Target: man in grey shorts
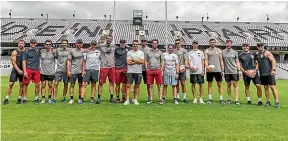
135	59
170	67
74	69
61	71
90	71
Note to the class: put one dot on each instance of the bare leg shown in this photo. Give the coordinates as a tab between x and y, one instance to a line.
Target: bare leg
43	88
267	93
210	90
55	90
236	90
9	89
165	91
83	89
247	91
37	89
259	90
194	90
275	92
151	91
136	91
159	91
127	92
117	90
219	84
228	90
50	90
123	90
65	89
93	90
201	90
72	89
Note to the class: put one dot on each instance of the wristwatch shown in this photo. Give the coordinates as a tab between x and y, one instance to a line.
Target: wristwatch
273	69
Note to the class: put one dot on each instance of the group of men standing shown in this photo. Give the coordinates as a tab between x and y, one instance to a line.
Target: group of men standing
125	65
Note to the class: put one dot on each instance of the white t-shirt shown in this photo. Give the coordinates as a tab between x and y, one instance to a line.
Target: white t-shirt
170	61
136	68
195	58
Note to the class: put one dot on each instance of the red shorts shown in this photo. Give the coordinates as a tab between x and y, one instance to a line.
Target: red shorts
121	76
151	74
107	72
33	75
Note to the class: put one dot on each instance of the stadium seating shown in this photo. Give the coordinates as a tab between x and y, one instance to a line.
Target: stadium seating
283	65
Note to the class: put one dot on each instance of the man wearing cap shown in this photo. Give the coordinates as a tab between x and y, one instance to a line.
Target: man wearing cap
107	68
248	61
153	63
121	69
231	70
61	71
197	69
74	69
144	48
182	57
267	70
90	71
31	69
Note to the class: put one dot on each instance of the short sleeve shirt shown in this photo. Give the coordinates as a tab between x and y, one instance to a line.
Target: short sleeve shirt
136	68
76	57
195	58
107	55
229	58
170	62
154	59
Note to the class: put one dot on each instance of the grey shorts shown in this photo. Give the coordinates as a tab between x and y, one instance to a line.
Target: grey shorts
136	77
169	80
91	76
74	77
59	76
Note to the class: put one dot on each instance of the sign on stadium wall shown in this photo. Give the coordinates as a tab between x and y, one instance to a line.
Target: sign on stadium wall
5	66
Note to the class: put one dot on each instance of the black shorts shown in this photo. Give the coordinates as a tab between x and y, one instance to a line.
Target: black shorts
247	80
268	80
231	77
136	77
182	76
14	76
44	77
74	77
91	76
216	75
144	77
196	78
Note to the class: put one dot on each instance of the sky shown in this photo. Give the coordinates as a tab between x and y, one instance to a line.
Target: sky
225	11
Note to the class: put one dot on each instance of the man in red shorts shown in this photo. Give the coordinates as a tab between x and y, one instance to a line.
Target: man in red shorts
31	69
154	70
107	68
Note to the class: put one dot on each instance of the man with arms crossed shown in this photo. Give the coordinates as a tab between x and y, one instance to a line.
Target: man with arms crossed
267	69
135	60
170	67
144	47
61	71
231	69
31	68
47	70
90	71
154	70
197	69
17	72
182	57
74	69
248	61
213	56
107	68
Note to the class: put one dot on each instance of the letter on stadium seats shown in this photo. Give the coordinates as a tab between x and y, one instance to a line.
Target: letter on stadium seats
228	33
10	31
189	31
48	31
85	28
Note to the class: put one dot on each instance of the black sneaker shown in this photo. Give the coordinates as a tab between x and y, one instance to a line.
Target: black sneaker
268	104
209	101
185	100
178	99
36	101
25	101
118	100
98	101
237	103
277	105
222	102
260	103
249	103
163	100
6	101
18	101
149	102
112	100
229	101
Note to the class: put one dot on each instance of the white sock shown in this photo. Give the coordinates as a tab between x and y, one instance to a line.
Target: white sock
221	97
20	97
210	96
248	99
178	96
259	99
184	95
7	97
201	99
36	97
24	98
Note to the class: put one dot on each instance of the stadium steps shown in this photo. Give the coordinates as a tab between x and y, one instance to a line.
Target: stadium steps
173	33
183	40
174	27
221	41
108	26
238	28
75	25
61	38
141	28
39	27
6	24
100	32
207	28
22	37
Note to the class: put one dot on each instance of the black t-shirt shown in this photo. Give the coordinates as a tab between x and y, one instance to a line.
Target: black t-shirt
248	60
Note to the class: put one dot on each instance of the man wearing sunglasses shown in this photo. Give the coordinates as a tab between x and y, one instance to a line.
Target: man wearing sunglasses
121	69
144	48
47	70
31	69
267	70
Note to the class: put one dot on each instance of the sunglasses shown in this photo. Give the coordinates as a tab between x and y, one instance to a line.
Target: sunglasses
177	43
135	44
143	40
122	42
33	43
48	44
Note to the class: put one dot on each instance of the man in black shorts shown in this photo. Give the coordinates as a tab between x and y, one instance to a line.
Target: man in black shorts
267	69
17	72
144	48
248	61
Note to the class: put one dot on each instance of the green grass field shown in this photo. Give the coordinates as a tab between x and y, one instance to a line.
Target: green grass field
145	122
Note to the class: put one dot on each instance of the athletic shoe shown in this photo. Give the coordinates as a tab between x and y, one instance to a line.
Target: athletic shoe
209	101
80	101
53	101
91	101
268	104
229	101
222	102
118	100
112	100
132	100
277	105
123	99
43	101
149	102
260	103
185	100
176	101
237	103
249	102
71	101
50	101
161	102
136	102
195	101
18	101
98	101
201	101
64	100
126	102
25	101
6	101
37	101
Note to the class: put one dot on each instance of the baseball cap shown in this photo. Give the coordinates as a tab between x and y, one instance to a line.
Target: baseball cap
195	42
79	41
122	40
144	39
245	44
260	44
93	42
33	41
228	40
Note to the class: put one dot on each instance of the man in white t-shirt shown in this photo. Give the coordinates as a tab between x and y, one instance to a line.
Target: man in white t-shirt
197	70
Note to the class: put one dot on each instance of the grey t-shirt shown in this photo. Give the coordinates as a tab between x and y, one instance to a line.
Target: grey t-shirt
154	59
76	57
120	57
47	62
145	50
170	62
32	57
107	55
136	68
195	58
62	55
182	55
214	58
93	60
229	58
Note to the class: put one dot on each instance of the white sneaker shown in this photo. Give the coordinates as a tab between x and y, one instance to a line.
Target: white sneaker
50	101
195	101
133	100
71	101
126	103
43	101
176	102
201	101
136	102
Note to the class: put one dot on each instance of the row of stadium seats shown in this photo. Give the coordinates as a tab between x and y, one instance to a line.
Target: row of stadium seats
283	65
